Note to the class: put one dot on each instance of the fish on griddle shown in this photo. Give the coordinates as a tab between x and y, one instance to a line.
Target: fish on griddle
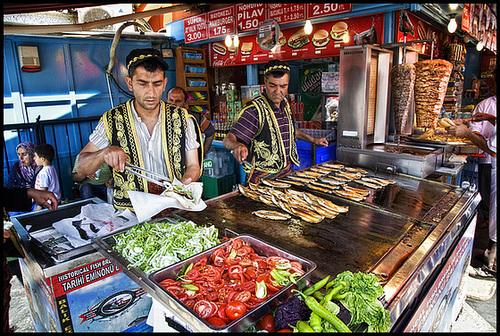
350	195
271	214
369	184
359	191
334	180
275	184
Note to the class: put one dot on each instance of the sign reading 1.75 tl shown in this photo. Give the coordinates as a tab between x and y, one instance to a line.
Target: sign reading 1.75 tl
247	16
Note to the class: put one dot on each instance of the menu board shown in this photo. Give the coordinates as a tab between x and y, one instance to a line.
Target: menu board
324	41
286	13
318	10
221	22
246	17
249	15
195	28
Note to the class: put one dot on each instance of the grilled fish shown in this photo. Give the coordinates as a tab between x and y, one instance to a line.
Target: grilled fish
361	192
271	214
356	170
275	184
308	174
290	181
333	165
350	195
369	184
333	180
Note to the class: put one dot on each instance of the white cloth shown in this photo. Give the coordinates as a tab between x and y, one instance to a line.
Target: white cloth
151	144
485	128
492	230
47	178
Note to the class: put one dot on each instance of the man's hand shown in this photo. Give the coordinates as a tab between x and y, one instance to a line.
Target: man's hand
240	153
479	116
115	157
321	141
459	130
44	198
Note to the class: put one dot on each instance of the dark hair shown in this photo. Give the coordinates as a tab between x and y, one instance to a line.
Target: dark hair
149	58
184	92
46	151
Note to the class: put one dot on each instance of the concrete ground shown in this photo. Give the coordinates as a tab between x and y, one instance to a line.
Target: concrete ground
478	314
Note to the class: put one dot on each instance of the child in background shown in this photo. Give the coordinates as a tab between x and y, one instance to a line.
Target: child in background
47	177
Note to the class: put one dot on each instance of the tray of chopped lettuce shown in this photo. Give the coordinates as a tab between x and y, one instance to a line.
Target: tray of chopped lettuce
152	245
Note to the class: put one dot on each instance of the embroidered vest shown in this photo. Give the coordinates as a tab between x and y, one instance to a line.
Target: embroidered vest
120	128
267	146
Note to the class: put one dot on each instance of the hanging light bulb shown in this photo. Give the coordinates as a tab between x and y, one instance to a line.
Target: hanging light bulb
453	6
452	25
228	41
345	38
479	46
308	27
236	40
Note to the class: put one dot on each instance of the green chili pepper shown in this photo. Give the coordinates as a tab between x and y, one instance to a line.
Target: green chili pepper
316	286
318	295
294	277
333	292
281	277
324	313
315	322
233	254
304	327
261	290
188	268
340	296
286	265
190	287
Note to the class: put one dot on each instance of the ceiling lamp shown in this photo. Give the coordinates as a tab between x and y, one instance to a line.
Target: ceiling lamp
453	6
452	25
308	27
479	46
228	41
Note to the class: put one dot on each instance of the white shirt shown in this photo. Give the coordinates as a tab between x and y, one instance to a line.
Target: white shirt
485	127
150	144
47	178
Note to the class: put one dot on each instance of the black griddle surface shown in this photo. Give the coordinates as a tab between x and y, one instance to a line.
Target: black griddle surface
352	241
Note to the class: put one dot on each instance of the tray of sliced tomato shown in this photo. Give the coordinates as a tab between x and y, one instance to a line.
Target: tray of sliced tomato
231	286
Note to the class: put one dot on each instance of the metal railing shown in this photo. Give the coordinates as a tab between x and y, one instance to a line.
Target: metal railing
68	136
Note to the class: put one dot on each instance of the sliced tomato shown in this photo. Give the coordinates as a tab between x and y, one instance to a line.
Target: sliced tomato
245	262
205	308
273	260
201	262
216	321
242	296
235	309
249	286
236	243
217	284
235	271
296	265
192	274
285	331
168	282
221	311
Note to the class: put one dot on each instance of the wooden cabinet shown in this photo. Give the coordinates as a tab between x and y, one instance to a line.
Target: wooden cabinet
191	73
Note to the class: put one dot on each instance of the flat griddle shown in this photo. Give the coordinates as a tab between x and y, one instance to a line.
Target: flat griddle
352	241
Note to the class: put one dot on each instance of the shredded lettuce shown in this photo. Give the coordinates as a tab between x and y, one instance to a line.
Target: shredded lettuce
153	246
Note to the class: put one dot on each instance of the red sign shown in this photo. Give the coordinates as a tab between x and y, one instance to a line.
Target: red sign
249	15
249	51
466	18
287	13
195	28
318	10
221	22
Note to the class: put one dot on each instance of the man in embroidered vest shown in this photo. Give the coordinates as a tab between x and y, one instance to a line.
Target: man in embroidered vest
265	132
145	132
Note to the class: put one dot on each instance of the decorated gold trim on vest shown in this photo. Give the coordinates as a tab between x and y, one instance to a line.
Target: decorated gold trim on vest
121	131
270	154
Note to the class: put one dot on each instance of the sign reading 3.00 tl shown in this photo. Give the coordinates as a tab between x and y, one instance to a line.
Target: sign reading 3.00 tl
249	15
221	22
195	28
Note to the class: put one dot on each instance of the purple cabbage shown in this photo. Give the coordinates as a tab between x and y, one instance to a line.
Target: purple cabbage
289	312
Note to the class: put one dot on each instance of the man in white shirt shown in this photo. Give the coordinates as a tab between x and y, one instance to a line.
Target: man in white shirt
145	132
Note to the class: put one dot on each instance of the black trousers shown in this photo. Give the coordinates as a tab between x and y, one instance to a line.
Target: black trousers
484	180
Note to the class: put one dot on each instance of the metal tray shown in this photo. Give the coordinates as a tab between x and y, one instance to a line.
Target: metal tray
437	142
194	321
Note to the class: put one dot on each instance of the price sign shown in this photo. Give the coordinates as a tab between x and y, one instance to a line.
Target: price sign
287	13
326	9
195	28
221	22
466	18
249	15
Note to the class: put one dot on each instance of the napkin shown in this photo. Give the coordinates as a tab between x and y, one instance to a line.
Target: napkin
147	205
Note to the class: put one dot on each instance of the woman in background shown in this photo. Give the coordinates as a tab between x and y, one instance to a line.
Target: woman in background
22	174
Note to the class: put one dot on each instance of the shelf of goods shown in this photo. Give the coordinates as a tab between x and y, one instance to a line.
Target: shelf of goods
191	74
414	234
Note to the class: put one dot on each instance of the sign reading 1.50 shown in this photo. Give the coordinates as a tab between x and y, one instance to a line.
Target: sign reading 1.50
325	9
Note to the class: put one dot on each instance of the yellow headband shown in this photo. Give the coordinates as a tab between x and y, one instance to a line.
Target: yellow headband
135	59
281	67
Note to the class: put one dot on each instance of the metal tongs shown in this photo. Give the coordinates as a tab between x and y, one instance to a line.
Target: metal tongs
158	179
